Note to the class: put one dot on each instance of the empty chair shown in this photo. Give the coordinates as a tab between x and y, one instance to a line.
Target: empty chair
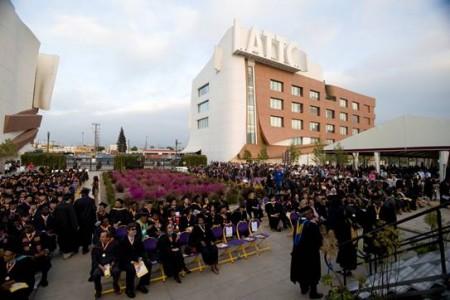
229	235
221	244
244	234
255	229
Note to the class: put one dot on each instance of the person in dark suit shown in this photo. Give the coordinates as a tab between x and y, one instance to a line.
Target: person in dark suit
66	226
305	263
202	239
105	262
86	212
15	269
131	253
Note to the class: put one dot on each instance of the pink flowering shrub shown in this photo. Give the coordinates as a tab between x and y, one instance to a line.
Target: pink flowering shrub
150	184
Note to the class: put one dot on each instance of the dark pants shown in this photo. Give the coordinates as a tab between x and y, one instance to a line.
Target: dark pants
308	286
67	242
98	273
85	237
43	265
131	274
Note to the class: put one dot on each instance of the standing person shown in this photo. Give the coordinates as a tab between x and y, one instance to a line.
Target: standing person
86	210
95	187
202	239
305	263
66	226
131	254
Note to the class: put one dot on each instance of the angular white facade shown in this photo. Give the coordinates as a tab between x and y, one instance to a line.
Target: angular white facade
26	78
224	133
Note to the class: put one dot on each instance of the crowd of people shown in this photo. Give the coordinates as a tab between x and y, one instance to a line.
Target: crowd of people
40	212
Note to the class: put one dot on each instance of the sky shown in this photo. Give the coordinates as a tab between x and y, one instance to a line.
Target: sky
130	63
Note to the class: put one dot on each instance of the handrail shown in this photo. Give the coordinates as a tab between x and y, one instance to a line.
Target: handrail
425	212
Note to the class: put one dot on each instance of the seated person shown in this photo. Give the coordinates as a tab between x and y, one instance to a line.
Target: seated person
105	262
131	253
202	239
14	270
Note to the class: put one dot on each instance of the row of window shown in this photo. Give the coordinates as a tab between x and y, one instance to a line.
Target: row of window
313	110
313	126
298	140
278	86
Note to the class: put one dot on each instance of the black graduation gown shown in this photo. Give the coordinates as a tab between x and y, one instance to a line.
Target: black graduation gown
346	257
22	271
121	215
170	255
305	262
208	249
66	226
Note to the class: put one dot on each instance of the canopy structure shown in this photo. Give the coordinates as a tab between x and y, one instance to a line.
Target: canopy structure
409	136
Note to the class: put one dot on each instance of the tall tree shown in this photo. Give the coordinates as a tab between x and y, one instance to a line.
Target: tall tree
341	156
121	142
262	155
294	153
319	155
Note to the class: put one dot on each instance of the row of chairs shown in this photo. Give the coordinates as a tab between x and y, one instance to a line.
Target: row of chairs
233	241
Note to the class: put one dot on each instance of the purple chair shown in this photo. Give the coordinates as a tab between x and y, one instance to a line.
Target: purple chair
150	247
221	244
293	218
229	234
243	233
121	232
254	227
184	243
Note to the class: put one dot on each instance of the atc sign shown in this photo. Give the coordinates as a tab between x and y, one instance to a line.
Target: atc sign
268	48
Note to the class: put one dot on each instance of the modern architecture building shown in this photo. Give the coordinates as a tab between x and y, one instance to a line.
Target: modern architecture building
27	78
260	90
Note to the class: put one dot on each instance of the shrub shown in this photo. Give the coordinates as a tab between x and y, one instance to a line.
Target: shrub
110	194
128	161
192	160
51	160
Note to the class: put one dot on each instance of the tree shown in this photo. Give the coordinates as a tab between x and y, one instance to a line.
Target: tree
294	153
247	155
341	156
134	148
262	155
100	148
121	142
7	149
320	158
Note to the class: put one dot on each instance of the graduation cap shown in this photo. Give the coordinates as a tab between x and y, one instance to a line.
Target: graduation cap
103	204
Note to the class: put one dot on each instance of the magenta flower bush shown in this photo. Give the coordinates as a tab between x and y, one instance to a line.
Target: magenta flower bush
155	184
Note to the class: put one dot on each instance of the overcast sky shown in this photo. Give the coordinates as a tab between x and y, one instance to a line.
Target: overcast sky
130	63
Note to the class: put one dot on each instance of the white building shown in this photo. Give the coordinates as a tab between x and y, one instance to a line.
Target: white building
27	78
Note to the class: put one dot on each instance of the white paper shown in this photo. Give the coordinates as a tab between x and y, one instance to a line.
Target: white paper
254	226
228	231
141	269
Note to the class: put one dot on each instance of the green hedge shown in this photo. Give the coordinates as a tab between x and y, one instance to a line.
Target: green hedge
128	161
192	160
51	160
109	188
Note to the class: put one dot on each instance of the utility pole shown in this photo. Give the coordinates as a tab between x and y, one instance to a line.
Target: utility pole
146	142
82	138
96	137
48	141
176	148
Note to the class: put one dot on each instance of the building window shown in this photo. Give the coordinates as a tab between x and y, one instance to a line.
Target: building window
297	107
297	124
343	102
314	95
203	107
330	114
296	90
330	141
355	119
204	89
330	128
202	123
343	130
367	108
343	116
276	85
314	140
298	140
276	121
355	131
314	126
314	110
355	105
251	106
367	121
276	103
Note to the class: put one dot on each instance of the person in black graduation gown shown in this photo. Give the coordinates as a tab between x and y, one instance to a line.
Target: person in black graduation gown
66	226
305	261
202	239
14	269
86	211
273	211
103	254
119	215
346	257
170	254
131	252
